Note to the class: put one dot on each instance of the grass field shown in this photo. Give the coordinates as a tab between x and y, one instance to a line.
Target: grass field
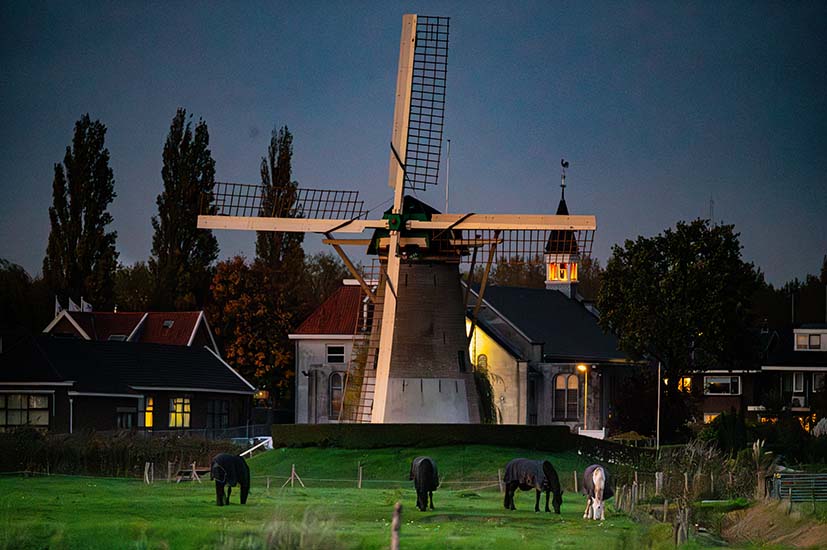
73	512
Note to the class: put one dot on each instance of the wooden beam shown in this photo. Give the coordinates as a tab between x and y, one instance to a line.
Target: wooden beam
290	225
484	282
473	242
353	271
506	222
347	242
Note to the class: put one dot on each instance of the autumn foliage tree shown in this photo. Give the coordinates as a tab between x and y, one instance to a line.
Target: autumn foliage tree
247	312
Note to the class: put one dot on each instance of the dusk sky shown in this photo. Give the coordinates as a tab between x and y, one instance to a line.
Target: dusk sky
659	107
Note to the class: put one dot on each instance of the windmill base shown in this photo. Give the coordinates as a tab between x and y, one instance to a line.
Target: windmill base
427	401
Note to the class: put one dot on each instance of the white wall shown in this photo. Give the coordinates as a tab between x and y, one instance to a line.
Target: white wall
313	376
509	376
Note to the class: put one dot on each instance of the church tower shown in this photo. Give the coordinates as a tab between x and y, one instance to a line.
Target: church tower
562	254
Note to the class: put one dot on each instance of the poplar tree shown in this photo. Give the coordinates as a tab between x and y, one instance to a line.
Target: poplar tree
280	251
80	255
183	255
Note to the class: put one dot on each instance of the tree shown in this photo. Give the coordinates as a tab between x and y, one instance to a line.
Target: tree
80	255
683	298
589	277
323	274
247	312
26	305
280	251
133	287
182	254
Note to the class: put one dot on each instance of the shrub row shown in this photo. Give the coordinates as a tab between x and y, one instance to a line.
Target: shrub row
122	454
541	438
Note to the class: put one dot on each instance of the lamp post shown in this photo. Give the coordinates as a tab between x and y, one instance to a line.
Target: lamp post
585	370
657	429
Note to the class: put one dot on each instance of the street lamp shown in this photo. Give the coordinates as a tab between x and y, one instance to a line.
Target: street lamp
585	370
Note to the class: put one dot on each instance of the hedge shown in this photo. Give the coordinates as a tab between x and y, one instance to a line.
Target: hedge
122	454
541	438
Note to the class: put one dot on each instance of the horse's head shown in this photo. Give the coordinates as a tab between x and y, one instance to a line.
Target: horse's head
598	509
552	483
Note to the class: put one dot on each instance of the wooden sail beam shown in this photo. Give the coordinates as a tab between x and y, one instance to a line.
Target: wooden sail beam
506	222
353	271
289	225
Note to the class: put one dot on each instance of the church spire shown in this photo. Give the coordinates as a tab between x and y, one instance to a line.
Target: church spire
562	254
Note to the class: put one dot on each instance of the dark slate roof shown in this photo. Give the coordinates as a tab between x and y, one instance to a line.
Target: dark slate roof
116	367
567	330
782	352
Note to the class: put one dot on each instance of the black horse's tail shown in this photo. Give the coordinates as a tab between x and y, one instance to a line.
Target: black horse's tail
244	481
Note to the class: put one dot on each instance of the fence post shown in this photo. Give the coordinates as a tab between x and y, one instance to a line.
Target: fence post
575	481
146	473
359	483
712	483
686	483
665	509
268	484
500	480
152	472
169	471
292	475
395	524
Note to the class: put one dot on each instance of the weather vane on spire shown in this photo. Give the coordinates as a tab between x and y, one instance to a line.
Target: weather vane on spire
565	164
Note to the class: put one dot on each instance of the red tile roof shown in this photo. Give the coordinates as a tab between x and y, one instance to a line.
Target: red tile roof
100	325
179	334
337	315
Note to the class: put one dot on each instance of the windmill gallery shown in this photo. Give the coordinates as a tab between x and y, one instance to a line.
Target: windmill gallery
405	357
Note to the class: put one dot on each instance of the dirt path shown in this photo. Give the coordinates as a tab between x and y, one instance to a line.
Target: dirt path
770	524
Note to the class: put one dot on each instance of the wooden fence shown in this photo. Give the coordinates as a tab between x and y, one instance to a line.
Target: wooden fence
800	486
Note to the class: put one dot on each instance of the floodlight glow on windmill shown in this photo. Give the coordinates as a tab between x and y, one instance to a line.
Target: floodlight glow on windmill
410	360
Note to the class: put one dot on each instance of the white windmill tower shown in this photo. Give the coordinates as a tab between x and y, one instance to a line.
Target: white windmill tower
410	360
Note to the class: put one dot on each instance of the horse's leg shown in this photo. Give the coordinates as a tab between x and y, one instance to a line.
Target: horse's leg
431	497
548	493
245	490
537	500
586	512
219	494
229	491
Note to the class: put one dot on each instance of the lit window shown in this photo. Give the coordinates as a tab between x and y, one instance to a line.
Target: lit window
23	410
335	394
336	354
801	341
179	412
815	341
722	385
573	272
482	361
768	420
685	384
819	381
798	382
148	410
709	417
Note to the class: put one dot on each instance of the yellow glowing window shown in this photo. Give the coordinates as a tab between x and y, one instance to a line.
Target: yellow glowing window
709	417
768	420
573	272
150	408
685	384
179	412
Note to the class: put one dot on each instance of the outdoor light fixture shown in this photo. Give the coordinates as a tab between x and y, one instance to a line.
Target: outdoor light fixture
585	370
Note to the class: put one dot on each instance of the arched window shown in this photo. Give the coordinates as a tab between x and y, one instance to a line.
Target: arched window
482	361
565	396
335	394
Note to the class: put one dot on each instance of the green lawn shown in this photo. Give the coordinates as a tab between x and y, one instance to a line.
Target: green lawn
73	512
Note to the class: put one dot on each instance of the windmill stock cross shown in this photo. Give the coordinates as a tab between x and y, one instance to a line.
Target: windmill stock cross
409	361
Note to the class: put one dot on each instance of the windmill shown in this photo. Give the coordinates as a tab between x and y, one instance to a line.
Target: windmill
410	358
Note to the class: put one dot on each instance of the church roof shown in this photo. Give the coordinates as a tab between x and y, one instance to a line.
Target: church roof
567	330
337	315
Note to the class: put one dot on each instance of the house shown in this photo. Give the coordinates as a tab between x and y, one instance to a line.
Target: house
323	345
176	328
71	384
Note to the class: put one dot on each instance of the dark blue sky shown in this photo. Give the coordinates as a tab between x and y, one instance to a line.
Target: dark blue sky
658	106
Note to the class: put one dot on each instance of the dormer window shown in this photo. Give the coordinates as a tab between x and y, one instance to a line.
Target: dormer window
168	323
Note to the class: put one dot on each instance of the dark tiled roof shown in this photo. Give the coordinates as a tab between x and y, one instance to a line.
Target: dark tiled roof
114	367
337	315
782	352
567	330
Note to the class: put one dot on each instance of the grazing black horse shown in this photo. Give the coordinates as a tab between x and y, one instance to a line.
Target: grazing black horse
229	470
426	480
528	474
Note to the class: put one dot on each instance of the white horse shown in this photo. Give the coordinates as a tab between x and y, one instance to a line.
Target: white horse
594	485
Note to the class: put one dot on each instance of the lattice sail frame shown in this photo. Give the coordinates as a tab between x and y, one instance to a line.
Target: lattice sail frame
427	109
249	200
